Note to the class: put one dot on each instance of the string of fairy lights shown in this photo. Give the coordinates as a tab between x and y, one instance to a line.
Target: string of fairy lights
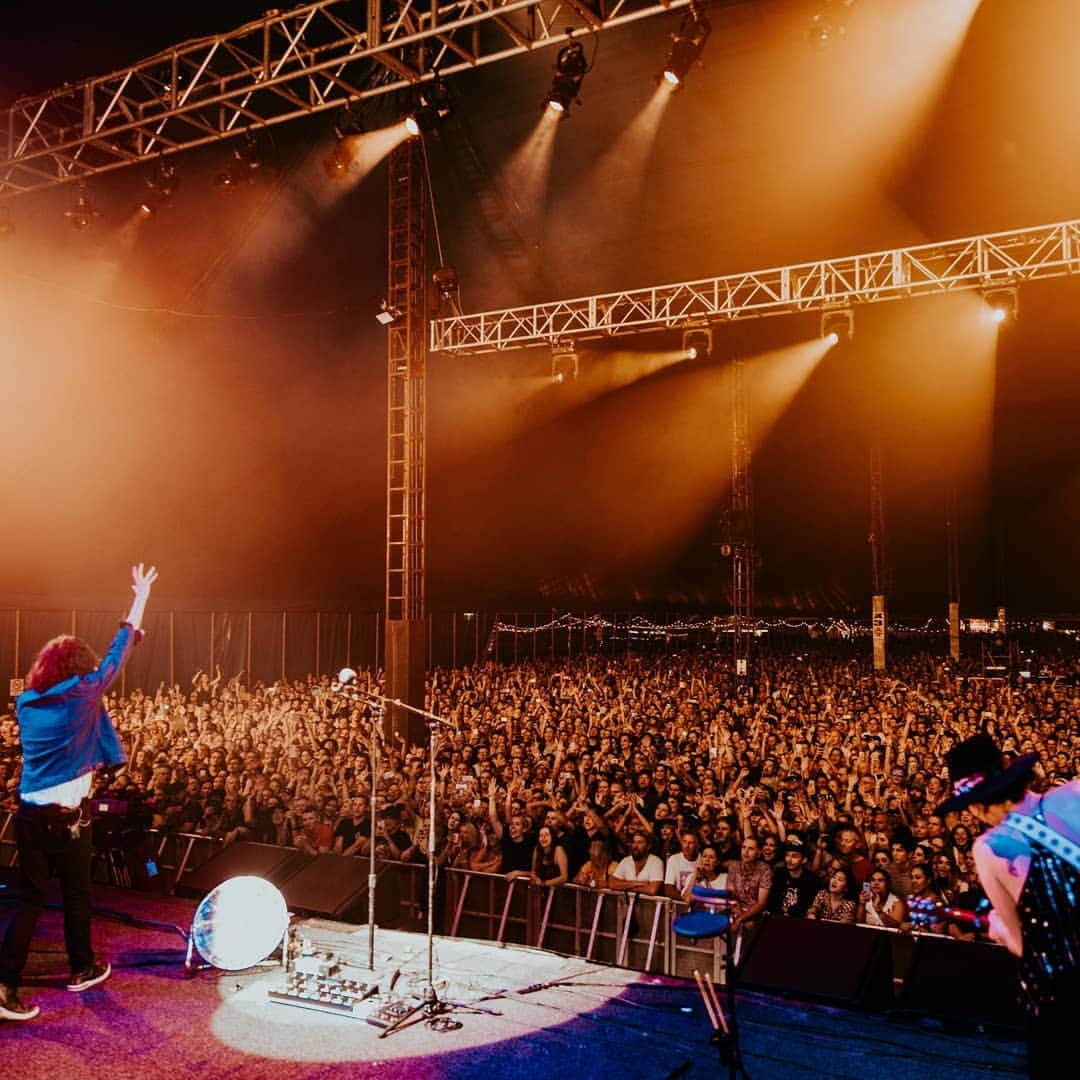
645	628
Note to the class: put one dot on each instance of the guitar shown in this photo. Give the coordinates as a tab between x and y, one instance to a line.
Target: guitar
924	911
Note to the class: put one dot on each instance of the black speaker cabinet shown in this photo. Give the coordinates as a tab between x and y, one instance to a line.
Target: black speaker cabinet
274	864
967	981
824	961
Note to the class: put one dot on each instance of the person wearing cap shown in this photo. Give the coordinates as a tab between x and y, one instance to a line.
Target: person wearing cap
1028	862
793	886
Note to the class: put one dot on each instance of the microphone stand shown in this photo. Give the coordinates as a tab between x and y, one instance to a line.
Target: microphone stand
375	709
431	1006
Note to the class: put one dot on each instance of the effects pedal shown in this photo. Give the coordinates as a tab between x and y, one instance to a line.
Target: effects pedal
343	997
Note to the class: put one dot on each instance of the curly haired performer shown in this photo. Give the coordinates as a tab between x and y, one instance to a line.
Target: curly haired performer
1029	864
66	734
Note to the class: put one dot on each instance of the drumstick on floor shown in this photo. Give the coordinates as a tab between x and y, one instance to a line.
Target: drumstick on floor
708	1002
716	1003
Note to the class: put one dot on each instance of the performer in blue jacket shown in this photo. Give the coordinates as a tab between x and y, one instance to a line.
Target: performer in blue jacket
66	734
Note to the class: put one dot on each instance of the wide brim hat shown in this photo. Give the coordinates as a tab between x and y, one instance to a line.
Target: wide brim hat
978	771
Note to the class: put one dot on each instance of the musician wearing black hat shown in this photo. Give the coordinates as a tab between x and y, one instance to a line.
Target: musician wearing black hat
1028	861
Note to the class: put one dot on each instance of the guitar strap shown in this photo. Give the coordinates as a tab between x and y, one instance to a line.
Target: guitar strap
1041	833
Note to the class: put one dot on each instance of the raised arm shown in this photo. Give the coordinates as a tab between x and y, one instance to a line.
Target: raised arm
142	580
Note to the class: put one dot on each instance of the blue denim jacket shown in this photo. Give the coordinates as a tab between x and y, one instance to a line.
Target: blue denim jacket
65	730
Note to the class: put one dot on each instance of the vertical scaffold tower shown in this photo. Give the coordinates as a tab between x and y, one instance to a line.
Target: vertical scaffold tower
405	655
878	558
741	524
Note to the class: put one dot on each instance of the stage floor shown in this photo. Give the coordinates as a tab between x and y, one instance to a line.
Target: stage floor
587	1019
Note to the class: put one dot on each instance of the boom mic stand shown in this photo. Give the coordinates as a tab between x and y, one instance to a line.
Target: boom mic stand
343	687
431	1005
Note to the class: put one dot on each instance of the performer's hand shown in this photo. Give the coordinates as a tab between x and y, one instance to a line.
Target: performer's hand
143	579
996	928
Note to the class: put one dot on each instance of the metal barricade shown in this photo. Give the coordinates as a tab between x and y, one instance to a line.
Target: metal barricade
603	925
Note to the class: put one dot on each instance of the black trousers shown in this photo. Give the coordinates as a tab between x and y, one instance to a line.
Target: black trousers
45	843
1052	1035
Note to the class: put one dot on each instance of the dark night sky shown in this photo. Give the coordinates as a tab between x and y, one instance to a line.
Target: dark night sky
244	451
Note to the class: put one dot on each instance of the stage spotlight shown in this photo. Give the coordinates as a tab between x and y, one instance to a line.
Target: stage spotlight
564	362
247	161
697	343
571	68
7	226
686	46
162	181
238	925
447	290
1003	304
338	162
388	316
82	211
433	107
838	325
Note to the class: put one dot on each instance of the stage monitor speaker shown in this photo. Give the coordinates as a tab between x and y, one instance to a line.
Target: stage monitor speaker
820	961
336	885
274	864
967	981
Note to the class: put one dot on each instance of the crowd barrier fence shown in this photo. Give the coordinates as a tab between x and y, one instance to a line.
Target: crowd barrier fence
630	930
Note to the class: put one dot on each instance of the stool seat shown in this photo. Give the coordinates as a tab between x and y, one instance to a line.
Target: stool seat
700	924
704	893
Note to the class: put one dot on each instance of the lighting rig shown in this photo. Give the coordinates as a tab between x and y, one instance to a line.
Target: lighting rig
687	44
571	67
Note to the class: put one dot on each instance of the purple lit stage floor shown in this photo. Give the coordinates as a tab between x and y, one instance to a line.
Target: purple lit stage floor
149	1020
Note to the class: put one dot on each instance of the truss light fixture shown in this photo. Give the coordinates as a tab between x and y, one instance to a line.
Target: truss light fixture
82	212
838	325
687	44
7	226
571	68
1004	303
697	343
447	289
564	362
433	107
161	182
349	124
339	160
387	315
247	161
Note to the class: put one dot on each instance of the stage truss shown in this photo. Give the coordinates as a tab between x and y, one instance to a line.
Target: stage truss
975	262
290	64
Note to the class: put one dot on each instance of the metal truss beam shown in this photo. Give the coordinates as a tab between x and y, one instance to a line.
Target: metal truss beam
971	263
286	65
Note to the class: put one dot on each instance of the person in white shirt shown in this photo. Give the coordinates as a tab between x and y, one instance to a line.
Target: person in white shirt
640	871
682	865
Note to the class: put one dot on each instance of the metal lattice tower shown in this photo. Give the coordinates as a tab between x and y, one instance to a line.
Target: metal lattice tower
879	566
741	523
878	559
952	538
406	379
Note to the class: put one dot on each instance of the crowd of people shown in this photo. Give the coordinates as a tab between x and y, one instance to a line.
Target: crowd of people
807	790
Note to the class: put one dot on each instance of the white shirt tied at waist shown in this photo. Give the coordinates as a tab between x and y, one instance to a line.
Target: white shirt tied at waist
69	794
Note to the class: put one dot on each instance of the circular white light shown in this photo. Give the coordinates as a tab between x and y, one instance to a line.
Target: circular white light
671	78
832	339
555	106
412	126
239	923
998	315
